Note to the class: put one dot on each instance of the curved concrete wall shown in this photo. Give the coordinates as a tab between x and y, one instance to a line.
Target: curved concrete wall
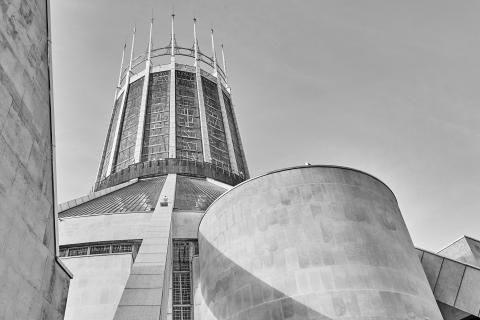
310	243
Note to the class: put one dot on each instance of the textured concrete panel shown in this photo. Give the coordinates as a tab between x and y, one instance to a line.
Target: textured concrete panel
431	265
456	287
138	312
103	228
469	294
451	313
185	224
152	265
33	284
97	286
448	281
465	249
310	243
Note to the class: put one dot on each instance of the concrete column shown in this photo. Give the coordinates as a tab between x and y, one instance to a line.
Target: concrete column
146	292
116	136
196	290
203	117
172	145
115	97
240	144
137	156
226	126
122	109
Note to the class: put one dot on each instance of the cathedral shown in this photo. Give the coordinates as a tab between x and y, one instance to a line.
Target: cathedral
175	227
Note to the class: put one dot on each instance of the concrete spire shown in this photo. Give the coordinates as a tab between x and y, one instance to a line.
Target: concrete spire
131	51
121	68
195	41
224	65
215	71
172	53
149	54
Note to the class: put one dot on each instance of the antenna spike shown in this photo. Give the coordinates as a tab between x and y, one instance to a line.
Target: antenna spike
195	41
224	65
172	53
214	55
131	51
150	39
121	66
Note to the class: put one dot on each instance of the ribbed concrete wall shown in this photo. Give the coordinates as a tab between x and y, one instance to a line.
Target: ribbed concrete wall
33	285
310	243
455	284
97	287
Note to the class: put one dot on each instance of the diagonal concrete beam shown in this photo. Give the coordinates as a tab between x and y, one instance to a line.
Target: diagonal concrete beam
453	283
146	291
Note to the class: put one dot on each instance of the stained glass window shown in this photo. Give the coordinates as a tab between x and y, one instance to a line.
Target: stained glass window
126	148
157	114
123	246
235	139
182	296
215	127
100	249
189	137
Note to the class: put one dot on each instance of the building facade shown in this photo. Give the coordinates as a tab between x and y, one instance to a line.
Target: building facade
175	229
33	281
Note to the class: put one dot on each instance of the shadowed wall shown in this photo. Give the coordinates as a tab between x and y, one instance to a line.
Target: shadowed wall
325	240
33	285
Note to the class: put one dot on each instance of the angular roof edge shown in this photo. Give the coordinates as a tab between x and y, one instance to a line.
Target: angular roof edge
93	195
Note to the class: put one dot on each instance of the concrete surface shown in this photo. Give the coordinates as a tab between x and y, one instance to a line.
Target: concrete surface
33	284
108	227
465	249
146	294
454	283
98	285
310	243
185	224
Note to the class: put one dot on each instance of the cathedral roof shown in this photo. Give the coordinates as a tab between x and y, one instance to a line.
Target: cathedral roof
191	194
141	196
195	193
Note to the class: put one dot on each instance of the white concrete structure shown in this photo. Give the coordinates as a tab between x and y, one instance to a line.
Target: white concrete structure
33	281
316	242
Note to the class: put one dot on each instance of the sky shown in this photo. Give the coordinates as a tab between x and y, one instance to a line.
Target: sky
384	86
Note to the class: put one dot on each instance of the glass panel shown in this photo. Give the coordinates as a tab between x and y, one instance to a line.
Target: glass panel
157	114
102	249
118	248
195	194
183	252
77	251
63	253
189	136
126	147
138	197
233	130
216	130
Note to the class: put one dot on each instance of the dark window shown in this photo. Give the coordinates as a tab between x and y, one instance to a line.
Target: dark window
182	301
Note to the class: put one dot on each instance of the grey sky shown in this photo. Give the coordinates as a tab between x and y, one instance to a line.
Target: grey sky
387	87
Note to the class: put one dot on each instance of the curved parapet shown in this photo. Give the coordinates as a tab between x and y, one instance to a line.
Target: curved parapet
310	243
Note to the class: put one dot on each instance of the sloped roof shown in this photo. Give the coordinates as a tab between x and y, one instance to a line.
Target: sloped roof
141	196
465	249
195	194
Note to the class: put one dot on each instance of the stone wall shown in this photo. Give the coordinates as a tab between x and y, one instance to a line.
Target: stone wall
33	284
310	243
98	285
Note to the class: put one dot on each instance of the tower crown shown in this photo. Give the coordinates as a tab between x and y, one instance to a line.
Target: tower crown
172	118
